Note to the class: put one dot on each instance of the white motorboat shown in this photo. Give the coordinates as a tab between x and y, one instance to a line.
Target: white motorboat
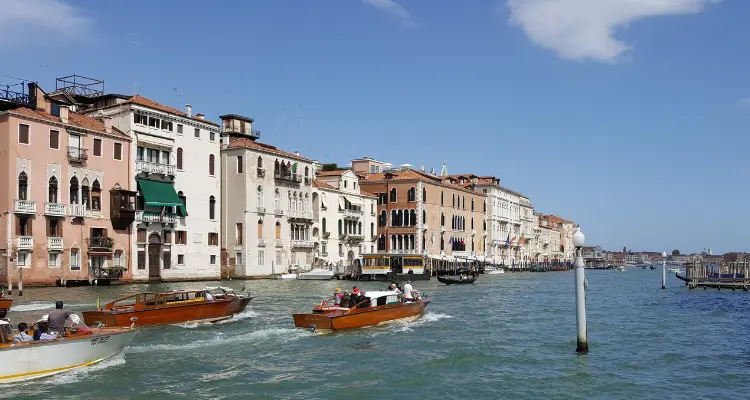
620	268
288	276
675	270
317	274
494	271
24	361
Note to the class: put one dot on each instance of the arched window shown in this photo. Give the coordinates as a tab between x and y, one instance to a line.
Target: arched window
484	226
411	194
413	218
52	189
23	186
359	229
324	226
259	196
383	220
453	196
212	207
442	198
485	206
400	218
278	230
260	228
393	195
400	242
442	243
394	218
211	164
341	229
393	242
472	222
453	222
74	190
442	219
424	216
307	172
424	195
472	204
411	242
381	242
179	158
372	229
276	168
260	162
96	196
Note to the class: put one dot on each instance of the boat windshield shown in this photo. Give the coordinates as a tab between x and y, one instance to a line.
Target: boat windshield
6	332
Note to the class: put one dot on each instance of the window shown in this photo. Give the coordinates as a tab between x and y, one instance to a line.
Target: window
23	186
140	119
239	164
261	257
97	147
180	237
424	196
23	133
75	260
153	122
213	239
238	234
278	230
141	259
442	198
197	133
52	258
372	229
74	190
180	257
453	197
179	158
55	109
260	162
166	125
393	195
118	259
213	259
54	139
96	192
165	157
278	257
52	190
167	237
411	195
118	151
212	136
442	219
260	228
179	130
424	216
211	164
340	228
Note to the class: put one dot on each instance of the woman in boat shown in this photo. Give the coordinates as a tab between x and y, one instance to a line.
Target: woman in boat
337	296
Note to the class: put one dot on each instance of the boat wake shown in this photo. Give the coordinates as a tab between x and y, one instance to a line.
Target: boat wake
35	306
65	378
426	319
279	335
243	315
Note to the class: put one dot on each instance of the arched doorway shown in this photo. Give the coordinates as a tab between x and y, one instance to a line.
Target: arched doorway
154	255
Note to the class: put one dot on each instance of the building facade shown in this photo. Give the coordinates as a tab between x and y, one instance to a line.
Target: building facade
267	223
63	176
174	163
344	217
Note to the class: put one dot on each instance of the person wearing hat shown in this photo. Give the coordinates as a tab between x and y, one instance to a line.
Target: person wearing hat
58	317
337	295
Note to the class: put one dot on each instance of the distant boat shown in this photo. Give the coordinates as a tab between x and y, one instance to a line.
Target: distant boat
620	268
316	274
456	279
675	270
652	266
494	271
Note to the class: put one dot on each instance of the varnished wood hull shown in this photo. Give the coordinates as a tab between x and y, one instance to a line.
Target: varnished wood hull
171	314
336	320
5	303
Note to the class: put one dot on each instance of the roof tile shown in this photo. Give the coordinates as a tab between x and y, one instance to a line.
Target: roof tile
251	144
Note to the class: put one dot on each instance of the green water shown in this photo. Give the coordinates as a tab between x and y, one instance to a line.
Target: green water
507	336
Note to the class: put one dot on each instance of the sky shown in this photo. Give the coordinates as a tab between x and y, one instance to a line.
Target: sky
629	117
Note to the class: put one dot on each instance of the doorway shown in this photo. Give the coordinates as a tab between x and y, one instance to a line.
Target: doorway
154	255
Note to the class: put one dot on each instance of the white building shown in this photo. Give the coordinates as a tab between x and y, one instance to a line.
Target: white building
174	164
344	217
267	208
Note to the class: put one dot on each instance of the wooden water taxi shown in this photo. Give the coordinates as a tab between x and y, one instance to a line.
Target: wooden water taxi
375	308
179	306
457	279
24	361
5	302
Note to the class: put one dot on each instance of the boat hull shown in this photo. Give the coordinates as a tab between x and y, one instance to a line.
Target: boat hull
455	280
338	320
315	277
198	312
5	303
31	360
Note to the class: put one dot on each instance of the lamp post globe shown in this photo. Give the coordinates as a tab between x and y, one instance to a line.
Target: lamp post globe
578	238
664	254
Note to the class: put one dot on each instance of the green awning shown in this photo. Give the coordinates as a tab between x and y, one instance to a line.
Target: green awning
159	194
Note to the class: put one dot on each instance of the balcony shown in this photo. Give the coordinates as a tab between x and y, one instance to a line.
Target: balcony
324	254
295	178
55	244
352	213
403	251
100	242
261	172
25	242
151	216
352	238
326	235
308	181
77	154
78	210
54	209
261	242
24	206
154	168
261	210
278	212
298	214
305	244
279	243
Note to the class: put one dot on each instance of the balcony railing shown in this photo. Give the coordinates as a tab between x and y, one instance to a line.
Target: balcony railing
151	216
261	242
348	213
24	206
100	242
77	210
279	243
154	168
54	209
261	172
55	243
300	214
307	244
278	211
350	237
25	242
288	177
261	210
77	154
394	251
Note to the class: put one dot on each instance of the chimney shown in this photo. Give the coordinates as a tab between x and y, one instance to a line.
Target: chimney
296	153
189	110
64	111
36	96
199	116
108	124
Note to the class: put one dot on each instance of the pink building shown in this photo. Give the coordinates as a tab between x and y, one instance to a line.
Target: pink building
66	208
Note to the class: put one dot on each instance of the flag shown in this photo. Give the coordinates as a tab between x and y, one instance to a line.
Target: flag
163	210
450	241
507	240
294	167
521	241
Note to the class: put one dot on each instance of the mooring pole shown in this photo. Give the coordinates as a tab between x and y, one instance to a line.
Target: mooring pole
664	270
582	345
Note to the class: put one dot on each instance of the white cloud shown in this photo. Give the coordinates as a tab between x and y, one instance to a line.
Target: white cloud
27	21
393	8
584	29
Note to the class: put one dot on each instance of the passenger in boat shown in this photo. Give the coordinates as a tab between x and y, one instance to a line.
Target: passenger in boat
407	291
22	336
208	296
44	331
337	296
58	317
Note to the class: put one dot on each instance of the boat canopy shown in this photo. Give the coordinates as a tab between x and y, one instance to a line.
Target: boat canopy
374	294
222	288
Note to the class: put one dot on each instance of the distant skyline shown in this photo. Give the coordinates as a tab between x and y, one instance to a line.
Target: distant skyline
631	118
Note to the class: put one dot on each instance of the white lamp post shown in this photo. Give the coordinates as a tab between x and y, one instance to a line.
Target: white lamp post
664	270
582	336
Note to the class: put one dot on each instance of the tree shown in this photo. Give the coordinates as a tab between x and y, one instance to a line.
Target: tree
675	252
330	167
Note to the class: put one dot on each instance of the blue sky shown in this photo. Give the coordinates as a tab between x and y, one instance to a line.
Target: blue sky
629	117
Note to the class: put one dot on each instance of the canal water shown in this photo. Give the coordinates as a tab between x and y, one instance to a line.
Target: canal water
507	336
